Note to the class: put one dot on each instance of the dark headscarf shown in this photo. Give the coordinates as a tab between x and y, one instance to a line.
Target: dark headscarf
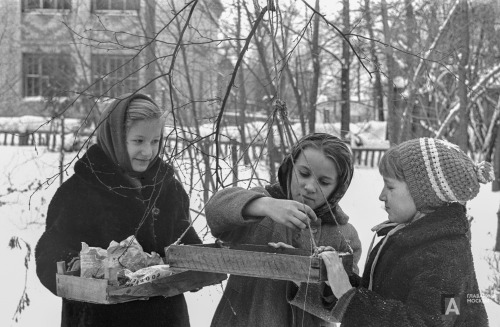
112	132
343	160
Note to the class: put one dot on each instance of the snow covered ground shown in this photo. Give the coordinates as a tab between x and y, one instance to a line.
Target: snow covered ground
22	214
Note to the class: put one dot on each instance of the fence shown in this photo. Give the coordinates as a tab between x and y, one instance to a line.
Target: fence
22	139
367	157
52	140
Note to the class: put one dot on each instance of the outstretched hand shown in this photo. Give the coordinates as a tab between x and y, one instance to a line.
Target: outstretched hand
337	277
290	213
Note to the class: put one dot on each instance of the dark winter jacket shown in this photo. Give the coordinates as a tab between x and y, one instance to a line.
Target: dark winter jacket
256	302
97	205
419	269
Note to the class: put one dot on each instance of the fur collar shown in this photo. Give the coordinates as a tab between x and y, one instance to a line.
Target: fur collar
447	220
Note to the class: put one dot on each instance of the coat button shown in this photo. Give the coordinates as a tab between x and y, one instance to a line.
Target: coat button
314	230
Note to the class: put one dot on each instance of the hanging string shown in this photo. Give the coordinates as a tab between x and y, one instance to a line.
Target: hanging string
280	109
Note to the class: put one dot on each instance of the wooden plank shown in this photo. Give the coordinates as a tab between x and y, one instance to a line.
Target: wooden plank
103	292
82	289
61	267
251	261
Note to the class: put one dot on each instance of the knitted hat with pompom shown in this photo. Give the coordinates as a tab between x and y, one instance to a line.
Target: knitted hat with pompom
438	172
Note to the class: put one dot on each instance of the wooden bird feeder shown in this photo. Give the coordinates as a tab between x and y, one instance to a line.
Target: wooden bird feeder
253	261
107	291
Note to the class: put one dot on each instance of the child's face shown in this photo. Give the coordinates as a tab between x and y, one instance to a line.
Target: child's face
143	138
314	178
398	201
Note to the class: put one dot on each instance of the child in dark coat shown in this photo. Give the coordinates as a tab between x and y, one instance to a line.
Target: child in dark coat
421	273
121	187
312	180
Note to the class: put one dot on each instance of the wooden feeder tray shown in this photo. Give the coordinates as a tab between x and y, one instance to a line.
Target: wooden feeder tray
253	261
107	291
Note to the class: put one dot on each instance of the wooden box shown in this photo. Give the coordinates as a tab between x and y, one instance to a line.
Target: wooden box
253	261
107	291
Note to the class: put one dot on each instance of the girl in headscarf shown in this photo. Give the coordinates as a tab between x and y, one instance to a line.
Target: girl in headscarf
312	180
121	187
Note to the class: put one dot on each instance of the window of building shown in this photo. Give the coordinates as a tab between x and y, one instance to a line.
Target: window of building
121	5
114	74
47	75
29	5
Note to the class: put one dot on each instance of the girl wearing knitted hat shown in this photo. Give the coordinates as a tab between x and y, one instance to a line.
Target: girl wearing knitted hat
312	180
121	187
421	273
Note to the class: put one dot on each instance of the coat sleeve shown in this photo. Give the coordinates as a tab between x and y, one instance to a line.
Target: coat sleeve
224	213
434	275
60	241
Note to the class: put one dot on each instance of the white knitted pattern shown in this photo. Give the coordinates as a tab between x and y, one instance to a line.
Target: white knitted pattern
482	169
439	172
430	174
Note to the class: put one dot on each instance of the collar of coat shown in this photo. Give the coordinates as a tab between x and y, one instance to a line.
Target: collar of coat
447	220
95	167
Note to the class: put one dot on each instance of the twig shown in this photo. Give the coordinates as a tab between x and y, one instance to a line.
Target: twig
24	301
228	92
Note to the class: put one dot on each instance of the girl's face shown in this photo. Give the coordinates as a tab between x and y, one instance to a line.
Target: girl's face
143	138
398	201
314	178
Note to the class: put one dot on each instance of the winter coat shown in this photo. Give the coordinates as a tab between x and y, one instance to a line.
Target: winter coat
249	301
98	205
419	267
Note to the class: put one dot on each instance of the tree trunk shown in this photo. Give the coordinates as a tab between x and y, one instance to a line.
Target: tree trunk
295	88
209	183
61	150
497	244
496	183
378	92
300	108
262	56
150	74
463	46
407	121
313	96
393	124
242	96
344	79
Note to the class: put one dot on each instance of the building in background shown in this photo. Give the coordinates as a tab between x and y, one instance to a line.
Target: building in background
68	56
